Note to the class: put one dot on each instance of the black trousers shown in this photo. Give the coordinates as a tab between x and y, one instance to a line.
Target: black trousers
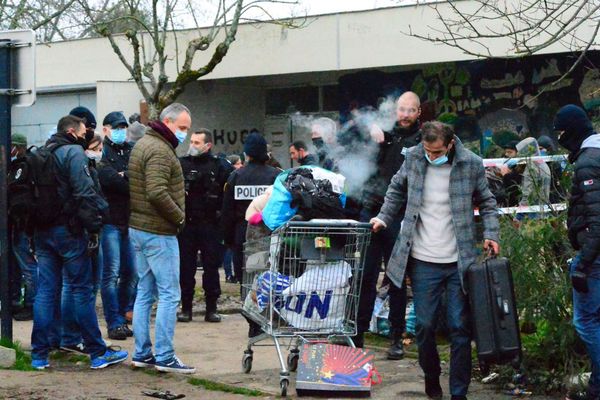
380	249
206	238
238	248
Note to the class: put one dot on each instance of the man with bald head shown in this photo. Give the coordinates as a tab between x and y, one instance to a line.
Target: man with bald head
393	146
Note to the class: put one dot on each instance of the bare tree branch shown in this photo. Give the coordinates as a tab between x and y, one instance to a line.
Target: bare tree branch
530	26
147	39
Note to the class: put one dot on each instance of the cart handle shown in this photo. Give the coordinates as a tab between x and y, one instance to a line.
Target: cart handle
327	223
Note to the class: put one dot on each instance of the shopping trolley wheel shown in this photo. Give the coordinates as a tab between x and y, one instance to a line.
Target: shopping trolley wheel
247	363
283	384
292	361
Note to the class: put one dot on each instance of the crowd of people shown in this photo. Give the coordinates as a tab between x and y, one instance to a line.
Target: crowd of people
133	219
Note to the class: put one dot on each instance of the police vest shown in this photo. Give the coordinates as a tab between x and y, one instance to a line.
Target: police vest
204	181
251	181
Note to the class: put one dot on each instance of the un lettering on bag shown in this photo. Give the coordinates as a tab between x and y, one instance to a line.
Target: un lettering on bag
316	310
317	299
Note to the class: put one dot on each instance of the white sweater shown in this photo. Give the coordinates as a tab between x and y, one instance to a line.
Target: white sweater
434	238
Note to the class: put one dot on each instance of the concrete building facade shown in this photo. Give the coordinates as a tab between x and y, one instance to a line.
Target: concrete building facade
334	63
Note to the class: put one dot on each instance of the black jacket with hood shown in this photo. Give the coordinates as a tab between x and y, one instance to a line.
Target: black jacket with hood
84	207
114	179
583	142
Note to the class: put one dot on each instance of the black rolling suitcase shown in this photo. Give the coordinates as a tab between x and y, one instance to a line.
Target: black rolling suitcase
494	313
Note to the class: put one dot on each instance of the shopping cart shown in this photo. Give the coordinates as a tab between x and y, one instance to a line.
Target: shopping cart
302	284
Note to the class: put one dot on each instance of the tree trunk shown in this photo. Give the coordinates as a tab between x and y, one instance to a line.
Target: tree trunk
153	110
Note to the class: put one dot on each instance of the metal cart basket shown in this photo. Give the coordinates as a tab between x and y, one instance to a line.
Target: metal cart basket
302	284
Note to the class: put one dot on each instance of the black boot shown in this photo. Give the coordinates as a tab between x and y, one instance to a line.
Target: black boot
211	311
396	350
185	315
433	388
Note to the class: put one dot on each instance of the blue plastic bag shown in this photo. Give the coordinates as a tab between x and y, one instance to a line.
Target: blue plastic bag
278	209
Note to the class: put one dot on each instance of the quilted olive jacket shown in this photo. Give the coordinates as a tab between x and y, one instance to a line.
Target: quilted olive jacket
156	186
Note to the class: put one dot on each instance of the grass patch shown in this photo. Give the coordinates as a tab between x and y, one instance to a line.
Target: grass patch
23	359
374	340
377	341
221	387
199	294
153	372
63	356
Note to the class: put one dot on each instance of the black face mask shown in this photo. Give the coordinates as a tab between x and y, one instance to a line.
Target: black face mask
89	135
571	141
318	143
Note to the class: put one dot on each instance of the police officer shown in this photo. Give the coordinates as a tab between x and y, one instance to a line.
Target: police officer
205	176
24	262
242	187
392	148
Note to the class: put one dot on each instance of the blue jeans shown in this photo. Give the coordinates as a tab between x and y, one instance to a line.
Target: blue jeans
586	318
157	262
60	252
119	280
27	265
71	332
227	263
428	283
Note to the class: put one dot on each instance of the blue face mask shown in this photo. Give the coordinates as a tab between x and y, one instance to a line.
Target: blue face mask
180	136
544	152
438	161
118	136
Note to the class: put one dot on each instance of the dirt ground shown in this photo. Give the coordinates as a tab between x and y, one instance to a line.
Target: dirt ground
216	351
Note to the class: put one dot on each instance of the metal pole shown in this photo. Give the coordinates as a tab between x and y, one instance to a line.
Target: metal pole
5	247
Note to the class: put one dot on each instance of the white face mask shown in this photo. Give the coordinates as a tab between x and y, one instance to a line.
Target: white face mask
195	152
94	155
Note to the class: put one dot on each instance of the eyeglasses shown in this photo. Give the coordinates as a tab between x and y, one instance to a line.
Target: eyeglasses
407	110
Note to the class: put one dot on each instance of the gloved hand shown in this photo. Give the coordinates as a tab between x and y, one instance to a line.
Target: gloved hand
578	275
92	246
579	279
511	163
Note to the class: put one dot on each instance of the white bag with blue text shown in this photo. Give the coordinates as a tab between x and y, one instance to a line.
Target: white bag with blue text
316	300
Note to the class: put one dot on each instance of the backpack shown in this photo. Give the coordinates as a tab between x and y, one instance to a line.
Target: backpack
315	198
32	188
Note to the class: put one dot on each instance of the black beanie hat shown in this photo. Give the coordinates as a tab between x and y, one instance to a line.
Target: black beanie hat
575	123
82	112
512	145
256	147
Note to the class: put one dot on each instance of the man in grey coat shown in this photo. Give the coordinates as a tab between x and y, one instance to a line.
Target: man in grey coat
439	185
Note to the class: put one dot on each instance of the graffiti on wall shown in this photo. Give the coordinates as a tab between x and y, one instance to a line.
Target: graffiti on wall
497	94
230	141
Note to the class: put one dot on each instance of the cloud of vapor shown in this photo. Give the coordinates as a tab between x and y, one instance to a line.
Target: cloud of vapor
351	148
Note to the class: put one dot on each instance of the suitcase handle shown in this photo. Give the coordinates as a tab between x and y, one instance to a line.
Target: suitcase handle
502	306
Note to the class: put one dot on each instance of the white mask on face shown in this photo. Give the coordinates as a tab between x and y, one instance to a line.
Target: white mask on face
94	155
195	152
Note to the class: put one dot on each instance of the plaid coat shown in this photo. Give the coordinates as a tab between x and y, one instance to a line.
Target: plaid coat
468	189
